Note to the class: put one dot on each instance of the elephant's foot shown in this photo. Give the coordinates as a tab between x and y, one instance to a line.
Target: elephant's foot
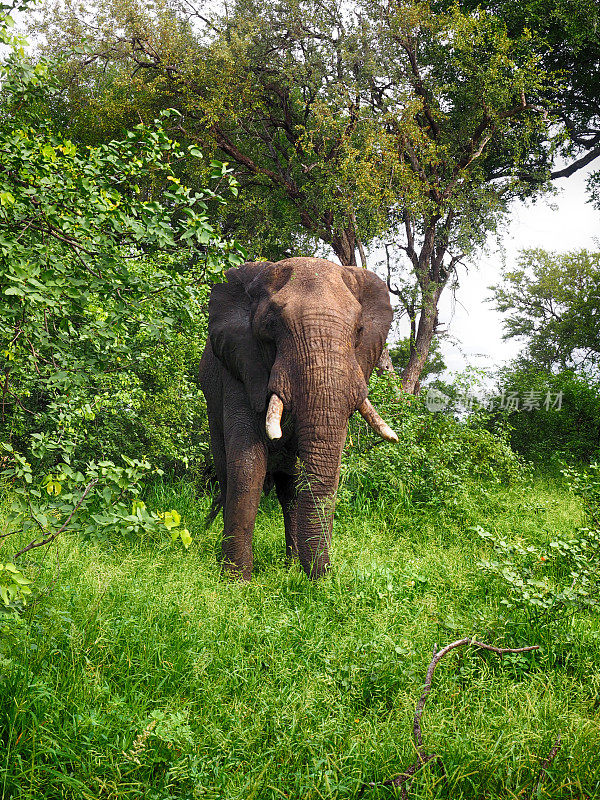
234	573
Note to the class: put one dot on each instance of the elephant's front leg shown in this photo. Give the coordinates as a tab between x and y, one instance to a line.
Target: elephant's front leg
245	477
246	457
285	486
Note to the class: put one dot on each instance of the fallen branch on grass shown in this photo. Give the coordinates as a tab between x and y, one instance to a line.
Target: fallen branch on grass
423	757
545	766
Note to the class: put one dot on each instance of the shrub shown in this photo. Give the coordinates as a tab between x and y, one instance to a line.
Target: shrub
152	407
437	456
571	431
544	586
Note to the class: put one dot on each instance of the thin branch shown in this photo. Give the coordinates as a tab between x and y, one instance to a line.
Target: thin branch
545	765
482	135
51	538
76	246
359	244
418	84
17	400
423	757
410	239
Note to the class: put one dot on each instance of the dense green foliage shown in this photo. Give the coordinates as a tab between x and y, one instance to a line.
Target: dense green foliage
105	256
552	302
415	121
566	428
566	33
433	464
90	307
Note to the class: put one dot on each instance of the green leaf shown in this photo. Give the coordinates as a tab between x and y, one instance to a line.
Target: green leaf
186	538
171	519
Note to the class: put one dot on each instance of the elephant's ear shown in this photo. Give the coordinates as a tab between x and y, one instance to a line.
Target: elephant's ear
374	297
230	332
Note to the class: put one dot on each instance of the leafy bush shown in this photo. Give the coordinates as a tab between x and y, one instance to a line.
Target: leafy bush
104	499
105	256
145	403
586	484
437	457
546	584
571	431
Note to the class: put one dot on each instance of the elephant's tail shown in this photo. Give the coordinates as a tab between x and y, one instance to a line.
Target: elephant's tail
215	507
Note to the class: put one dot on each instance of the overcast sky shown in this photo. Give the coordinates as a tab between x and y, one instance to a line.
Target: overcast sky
561	223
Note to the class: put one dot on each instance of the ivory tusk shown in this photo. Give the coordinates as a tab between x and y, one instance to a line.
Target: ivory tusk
371	416
273	421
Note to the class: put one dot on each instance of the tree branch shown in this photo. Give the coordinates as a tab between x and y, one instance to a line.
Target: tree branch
580	163
51	538
418	85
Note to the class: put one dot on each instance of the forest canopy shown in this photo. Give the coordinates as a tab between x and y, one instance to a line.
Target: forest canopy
414	124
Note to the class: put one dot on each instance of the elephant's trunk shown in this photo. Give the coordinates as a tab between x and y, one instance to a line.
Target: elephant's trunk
319	455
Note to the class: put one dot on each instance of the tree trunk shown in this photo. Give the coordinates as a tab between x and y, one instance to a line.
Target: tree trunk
422	343
343	243
432	276
419	352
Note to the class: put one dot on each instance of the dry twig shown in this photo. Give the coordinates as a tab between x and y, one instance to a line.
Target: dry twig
545	766
139	744
423	757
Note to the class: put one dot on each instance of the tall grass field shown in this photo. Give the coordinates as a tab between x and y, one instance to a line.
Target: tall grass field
138	672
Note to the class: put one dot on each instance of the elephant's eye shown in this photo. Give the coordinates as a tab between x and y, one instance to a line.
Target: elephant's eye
358	337
266	327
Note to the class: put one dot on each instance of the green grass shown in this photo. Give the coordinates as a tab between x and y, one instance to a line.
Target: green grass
140	673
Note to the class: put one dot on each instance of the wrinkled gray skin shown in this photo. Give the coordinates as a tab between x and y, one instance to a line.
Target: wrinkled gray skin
311	332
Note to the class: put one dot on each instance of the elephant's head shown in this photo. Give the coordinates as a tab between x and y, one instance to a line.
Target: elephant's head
303	335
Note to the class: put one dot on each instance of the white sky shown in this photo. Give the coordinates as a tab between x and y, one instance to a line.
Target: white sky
560	223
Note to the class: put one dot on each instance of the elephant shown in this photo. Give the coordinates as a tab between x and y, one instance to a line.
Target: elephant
291	346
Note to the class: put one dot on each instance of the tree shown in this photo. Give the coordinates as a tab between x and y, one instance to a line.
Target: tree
553	305
75	223
77	228
568	45
434	366
408	122
550	416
